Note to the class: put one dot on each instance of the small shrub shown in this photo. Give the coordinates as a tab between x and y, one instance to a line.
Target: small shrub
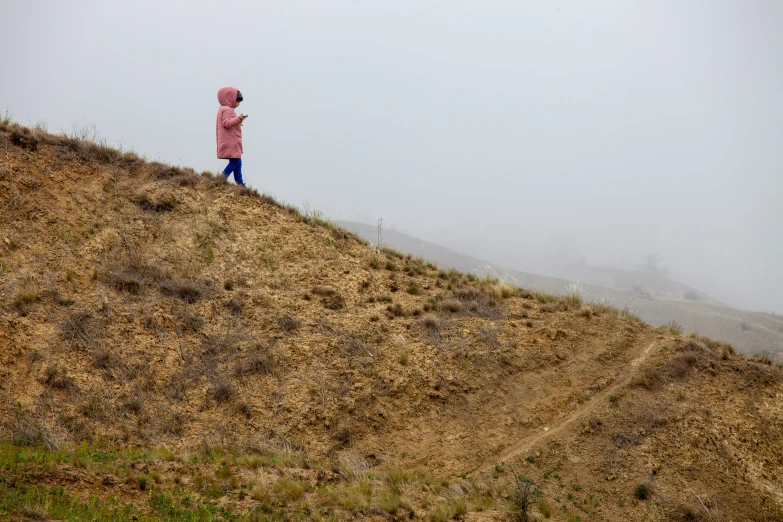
289	323
160	171
192	323
642	492
674	327
414	288
103	358
235	306
333	302
544	298
601	308
57	378
259	363
586	312
451	305
133	405
574	293
649	378
524	496
389	502
507	291
24	138
245	410
228	285
222	391
261	493
545	509
289	490
185	180
75	328
25	297
628	314
147	204
391	266
441	513
396	310
678	367
92	407
188	290
430	323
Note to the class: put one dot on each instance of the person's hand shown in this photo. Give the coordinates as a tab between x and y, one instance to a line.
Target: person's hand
242	117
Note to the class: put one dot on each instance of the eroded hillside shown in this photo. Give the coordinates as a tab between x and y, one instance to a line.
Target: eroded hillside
145	307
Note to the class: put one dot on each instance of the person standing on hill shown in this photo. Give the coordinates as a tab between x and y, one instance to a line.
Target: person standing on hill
229	132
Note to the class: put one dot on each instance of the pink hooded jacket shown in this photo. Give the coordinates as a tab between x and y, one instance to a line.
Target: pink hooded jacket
228	127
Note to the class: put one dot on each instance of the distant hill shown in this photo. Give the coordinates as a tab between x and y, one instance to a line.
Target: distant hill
655	299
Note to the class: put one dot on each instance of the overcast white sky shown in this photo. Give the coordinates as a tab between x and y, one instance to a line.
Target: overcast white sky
601	130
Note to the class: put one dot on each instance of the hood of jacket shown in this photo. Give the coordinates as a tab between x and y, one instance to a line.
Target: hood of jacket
227	96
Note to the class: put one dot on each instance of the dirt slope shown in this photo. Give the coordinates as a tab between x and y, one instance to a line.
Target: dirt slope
147	306
656	300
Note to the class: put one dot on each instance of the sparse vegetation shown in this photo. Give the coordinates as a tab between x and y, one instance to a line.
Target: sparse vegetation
222	391
275	406
674	327
574	293
431	323
289	323
450	305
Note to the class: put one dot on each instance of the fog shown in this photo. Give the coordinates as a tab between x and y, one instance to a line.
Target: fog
535	133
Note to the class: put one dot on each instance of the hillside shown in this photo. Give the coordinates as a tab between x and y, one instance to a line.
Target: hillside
656	300
177	348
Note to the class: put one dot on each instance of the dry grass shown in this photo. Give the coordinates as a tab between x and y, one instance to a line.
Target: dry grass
75	328
331	299
574	295
395	310
57	378
674	327
222	391
586	312
24	138
450	305
289	323
156	206
602	308
259	363
414	288
24	299
188	290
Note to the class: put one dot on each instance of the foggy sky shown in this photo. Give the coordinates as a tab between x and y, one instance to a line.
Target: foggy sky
598	133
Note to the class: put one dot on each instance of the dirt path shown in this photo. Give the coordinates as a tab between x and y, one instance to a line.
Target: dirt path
524	446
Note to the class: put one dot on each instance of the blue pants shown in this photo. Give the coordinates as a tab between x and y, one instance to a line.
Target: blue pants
235	166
